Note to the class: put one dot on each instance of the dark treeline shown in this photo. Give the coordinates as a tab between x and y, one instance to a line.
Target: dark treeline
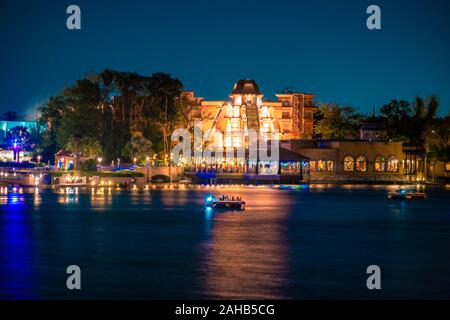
115	115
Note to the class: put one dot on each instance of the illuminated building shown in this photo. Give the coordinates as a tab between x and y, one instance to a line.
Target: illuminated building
5	126
291	117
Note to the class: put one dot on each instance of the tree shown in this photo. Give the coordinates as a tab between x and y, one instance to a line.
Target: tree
37	136
396	115
122	103
49	116
78	125
17	139
407	121
164	92
9	116
334	122
437	140
138	147
87	146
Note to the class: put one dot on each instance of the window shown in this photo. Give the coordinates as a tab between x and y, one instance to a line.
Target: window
312	166
264	112
321	165
447	166
290	168
236	142
349	164
236	112
330	165
238	100
265	127
227	142
268	167
229	110
380	165
361	164
285	115
392	164
235	124
308	115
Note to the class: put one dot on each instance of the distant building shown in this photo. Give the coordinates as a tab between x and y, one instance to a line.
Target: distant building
291	117
65	160
359	160
5	126
372	158
6	153
373	130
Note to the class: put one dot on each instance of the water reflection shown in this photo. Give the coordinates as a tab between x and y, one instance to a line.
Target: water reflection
289	243
68	195
246	257
101	197
16	254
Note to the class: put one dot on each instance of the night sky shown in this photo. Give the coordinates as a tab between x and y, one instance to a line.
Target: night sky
321	47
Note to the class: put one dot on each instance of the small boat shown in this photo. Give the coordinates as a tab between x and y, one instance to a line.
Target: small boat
14	188
407	194
225	203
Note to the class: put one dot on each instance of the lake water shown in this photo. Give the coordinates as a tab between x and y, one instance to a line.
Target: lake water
162	244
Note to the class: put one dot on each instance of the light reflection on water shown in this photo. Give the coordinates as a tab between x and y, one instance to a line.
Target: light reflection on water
246	258
288	243
16	249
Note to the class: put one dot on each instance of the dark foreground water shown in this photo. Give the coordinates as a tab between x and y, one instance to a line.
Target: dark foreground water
163	244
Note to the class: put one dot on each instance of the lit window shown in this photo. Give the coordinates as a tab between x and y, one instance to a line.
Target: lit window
227	142
235	124
392	164
321	165
361	164
312	166
236	142
380	165
264	112
330	165
236	112
447	166
349	164
238	100
229	111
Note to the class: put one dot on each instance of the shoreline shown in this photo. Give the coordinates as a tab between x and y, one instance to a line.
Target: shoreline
184	186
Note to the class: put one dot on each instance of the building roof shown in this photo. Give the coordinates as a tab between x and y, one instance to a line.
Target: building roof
63	153
373	126
246	87
288	155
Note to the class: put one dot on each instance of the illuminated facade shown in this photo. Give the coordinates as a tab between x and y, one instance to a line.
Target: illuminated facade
291	117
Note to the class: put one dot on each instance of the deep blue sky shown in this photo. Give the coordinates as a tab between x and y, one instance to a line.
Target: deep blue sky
316	46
